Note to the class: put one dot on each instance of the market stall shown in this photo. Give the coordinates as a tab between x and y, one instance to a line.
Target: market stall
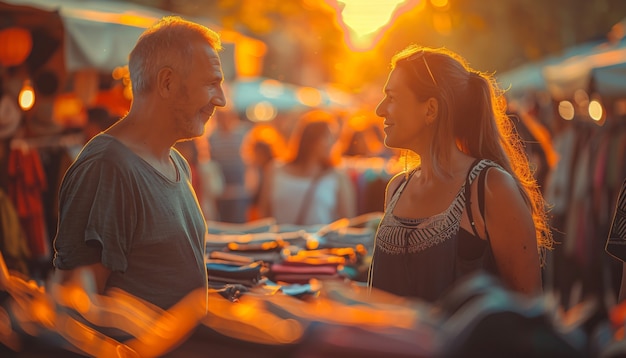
96	34
565	77
290	292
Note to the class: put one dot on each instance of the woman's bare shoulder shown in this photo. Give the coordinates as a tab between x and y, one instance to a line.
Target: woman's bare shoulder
500	182
394	183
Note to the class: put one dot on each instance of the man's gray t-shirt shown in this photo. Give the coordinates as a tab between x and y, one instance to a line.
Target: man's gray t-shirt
117	209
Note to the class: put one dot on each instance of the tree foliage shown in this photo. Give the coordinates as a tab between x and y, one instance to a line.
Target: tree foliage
494	35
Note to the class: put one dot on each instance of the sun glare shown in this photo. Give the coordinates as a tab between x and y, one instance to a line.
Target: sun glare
365	17
363	20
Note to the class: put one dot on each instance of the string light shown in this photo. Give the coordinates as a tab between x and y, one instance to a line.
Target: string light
26	97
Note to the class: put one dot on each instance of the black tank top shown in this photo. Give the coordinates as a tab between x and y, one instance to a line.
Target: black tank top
422	258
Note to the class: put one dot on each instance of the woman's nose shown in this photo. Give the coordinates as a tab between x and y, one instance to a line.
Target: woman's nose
379	109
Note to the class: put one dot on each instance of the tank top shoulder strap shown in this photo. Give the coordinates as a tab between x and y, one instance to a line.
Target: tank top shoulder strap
479	169
400	188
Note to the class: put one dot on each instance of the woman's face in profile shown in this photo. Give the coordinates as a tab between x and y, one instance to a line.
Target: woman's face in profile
404	115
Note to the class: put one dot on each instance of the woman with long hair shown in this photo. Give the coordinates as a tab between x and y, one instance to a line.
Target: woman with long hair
308	187
470	202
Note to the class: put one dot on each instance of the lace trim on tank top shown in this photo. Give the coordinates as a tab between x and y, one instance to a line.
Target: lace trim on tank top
397	235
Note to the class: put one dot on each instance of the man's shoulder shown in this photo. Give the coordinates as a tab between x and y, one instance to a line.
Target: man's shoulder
104	146
102	151
102	142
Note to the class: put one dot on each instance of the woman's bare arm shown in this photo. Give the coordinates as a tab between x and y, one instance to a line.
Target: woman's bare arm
512	233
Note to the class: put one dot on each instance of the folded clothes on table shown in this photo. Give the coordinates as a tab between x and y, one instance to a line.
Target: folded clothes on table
245	274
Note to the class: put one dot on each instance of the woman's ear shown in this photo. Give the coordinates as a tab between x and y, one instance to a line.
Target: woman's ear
432	109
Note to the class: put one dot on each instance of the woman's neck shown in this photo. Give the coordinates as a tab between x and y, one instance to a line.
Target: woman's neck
443	168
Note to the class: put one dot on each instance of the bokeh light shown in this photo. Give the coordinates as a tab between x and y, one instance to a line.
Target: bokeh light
566	110
363	20
596	111
309	96
27	96
262	111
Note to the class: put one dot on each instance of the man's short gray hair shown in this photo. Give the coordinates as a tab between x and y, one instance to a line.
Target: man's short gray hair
169	42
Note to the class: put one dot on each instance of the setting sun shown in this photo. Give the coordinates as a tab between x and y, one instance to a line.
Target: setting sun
363	20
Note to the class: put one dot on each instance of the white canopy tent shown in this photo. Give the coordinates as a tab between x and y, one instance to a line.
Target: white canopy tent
99	34
563	79
598	66
610	81
77	45
523	79
531	77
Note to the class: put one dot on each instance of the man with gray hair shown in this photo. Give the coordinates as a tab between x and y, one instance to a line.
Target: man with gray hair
127	211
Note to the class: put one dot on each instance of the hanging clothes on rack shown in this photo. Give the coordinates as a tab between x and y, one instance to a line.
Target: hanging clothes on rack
27	182
54	153
13	242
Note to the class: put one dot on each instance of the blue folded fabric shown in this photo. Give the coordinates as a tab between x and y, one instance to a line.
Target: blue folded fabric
295	289
249	271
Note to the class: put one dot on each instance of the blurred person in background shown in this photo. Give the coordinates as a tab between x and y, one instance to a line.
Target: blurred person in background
225	142
471	202
213	181
207	177
262	145
309	188
128	215
367	159
361	137
189	151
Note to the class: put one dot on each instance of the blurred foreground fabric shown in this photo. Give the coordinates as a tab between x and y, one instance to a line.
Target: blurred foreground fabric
299	292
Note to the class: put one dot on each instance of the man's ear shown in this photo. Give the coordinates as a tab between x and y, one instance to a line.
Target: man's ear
165	81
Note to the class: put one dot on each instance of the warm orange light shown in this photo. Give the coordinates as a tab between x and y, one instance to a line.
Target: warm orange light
79	300
15	46
249	55
365	17
26	97
595	110
271	88
261	112
566	110
364	20
543	136
309	96
69	110
440	3
123	18
358	122
128	92
43	313
287	330
120	72
442	22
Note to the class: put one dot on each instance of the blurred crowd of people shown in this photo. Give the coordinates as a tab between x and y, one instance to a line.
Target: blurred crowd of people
314	167
266	169
241	170
244	171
